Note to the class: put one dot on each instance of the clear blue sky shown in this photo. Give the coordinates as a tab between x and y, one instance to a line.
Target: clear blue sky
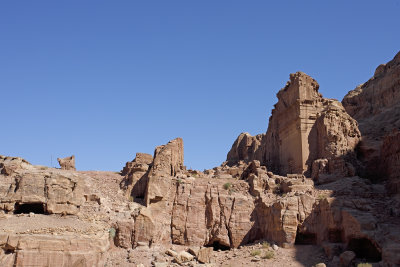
106	79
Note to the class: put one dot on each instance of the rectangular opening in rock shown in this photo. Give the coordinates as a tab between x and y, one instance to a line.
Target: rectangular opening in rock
26	208
305	238
218	246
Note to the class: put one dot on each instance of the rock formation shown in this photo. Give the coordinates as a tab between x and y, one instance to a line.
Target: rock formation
136	175
43	190
390	161
52	217
67	163
303	127
376	107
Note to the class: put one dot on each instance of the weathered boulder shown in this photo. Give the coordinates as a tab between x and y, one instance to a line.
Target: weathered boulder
204	255
346	258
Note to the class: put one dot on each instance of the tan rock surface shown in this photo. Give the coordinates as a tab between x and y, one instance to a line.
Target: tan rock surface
303	127
67	163
236	214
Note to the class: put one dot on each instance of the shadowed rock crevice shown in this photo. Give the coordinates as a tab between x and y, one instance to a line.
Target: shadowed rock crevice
365	249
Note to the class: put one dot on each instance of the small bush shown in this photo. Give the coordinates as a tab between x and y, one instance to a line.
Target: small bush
268	255
277	190
364	265
255	252
227	186
265	244
112	232
131	198
321	197
180	181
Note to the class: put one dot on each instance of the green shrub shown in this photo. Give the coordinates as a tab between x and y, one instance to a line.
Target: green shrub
180	181
112	232
227	186
268	255
364	265
255	252
265	244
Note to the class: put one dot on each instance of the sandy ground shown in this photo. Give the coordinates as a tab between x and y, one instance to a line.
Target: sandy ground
299	256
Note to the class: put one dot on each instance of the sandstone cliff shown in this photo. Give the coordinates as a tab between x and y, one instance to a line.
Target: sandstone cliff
376	106
295	184
304	127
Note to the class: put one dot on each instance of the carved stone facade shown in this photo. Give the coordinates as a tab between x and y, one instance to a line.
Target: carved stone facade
303	127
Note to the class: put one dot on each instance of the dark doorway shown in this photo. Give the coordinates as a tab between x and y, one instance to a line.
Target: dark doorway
218	246
365	249
26	208
305	238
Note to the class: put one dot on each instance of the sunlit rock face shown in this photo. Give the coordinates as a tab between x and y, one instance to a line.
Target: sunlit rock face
303	127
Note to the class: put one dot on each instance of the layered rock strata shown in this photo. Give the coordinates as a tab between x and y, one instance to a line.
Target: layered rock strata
212	208
24	186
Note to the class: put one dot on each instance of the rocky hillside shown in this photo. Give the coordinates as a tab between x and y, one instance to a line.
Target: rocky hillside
376	107
277	200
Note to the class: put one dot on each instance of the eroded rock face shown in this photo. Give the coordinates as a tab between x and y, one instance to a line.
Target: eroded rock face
303	127
247	148
376	107
390	161
24	187
67	163
25	250
136	175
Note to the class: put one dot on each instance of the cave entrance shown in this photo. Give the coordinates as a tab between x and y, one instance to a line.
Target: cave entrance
26	208
365	249
305	238
335	235
218	246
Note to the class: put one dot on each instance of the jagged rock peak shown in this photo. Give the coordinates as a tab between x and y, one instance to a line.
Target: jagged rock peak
300	87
